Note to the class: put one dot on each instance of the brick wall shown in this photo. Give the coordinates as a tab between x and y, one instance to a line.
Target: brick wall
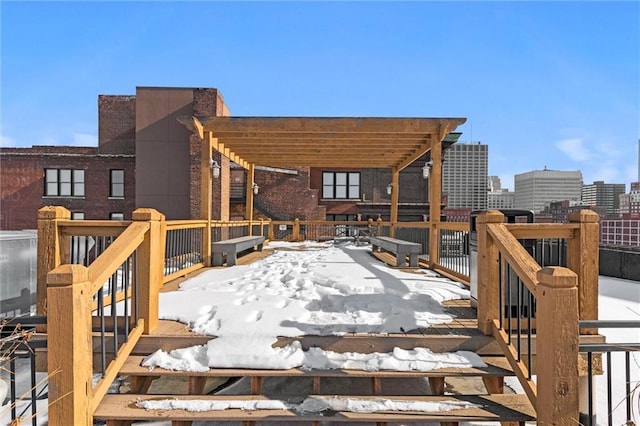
289	195
117	124
22	177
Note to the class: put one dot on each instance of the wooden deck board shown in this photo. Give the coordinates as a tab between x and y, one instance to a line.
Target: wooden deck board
506	407
496	366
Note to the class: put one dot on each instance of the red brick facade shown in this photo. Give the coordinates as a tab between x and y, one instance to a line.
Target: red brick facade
23	184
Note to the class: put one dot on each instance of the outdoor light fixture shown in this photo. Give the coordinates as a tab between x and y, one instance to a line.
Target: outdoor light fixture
426	169
255	188
389	188
215	168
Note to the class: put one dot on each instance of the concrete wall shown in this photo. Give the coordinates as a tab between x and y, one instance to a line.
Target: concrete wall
620	262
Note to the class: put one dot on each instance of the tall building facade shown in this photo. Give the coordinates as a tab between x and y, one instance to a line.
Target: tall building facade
535	190
465	175
501	199
606	195
494	183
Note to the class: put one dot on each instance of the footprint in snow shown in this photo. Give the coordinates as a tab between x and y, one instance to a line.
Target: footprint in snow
282	303
245	300
254	316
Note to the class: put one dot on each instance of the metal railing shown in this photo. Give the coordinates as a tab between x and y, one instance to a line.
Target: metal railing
116	311
454	250
622	396
183	248
17	354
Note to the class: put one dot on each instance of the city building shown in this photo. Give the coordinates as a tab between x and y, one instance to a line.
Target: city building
464	175
147	157
535	190
501	199
494	183
629	204
605	195
560	210
620	232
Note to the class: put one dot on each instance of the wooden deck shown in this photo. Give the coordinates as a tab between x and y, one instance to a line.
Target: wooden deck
482	385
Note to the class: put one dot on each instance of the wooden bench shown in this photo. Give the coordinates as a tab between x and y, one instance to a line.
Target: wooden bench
400	247
232	247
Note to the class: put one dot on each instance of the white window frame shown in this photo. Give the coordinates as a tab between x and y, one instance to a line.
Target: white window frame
63	182
340	185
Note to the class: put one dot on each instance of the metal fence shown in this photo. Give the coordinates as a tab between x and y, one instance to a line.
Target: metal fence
18	355
116	311
183	248
453	250
622	389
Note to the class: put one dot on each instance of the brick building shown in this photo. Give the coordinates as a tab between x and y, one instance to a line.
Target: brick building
90	183
146	158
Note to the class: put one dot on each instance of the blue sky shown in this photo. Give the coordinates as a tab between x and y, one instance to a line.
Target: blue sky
544	83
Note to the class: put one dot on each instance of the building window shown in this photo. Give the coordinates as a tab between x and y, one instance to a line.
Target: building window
341	185
117	184
64	183
116	216
77	215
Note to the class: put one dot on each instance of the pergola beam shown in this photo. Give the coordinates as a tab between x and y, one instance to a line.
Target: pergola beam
351	125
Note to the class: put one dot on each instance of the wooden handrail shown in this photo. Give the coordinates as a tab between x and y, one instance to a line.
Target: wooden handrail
117	252
515	254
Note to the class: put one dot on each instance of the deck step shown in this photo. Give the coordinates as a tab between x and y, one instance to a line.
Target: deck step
504	407
496	366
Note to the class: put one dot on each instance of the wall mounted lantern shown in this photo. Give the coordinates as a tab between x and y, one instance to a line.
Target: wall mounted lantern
215	168
426	169
255	188
389	189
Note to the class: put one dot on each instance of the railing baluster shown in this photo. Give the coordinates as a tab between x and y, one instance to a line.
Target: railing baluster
114	313
609	391
34	394
103	342
12	385
627	382
590	386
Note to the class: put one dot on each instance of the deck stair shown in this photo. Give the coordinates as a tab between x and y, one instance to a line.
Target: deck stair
491	402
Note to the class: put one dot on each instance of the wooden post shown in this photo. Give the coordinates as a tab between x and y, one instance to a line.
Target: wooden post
206	194
49	250
488	272
272	234
435	195
395	198
251	173
150	266
434	244
296	230
69	352
583	259
557	346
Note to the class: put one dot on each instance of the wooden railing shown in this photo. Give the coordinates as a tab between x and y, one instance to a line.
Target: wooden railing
562	296
71	290
69	293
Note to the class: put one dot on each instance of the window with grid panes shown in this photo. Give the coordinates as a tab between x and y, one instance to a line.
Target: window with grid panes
64	183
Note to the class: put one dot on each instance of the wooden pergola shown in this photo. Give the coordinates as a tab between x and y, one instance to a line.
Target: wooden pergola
392	143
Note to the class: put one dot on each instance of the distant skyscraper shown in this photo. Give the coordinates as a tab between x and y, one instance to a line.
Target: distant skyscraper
537	189
605	195
501	199
494	183
464	175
